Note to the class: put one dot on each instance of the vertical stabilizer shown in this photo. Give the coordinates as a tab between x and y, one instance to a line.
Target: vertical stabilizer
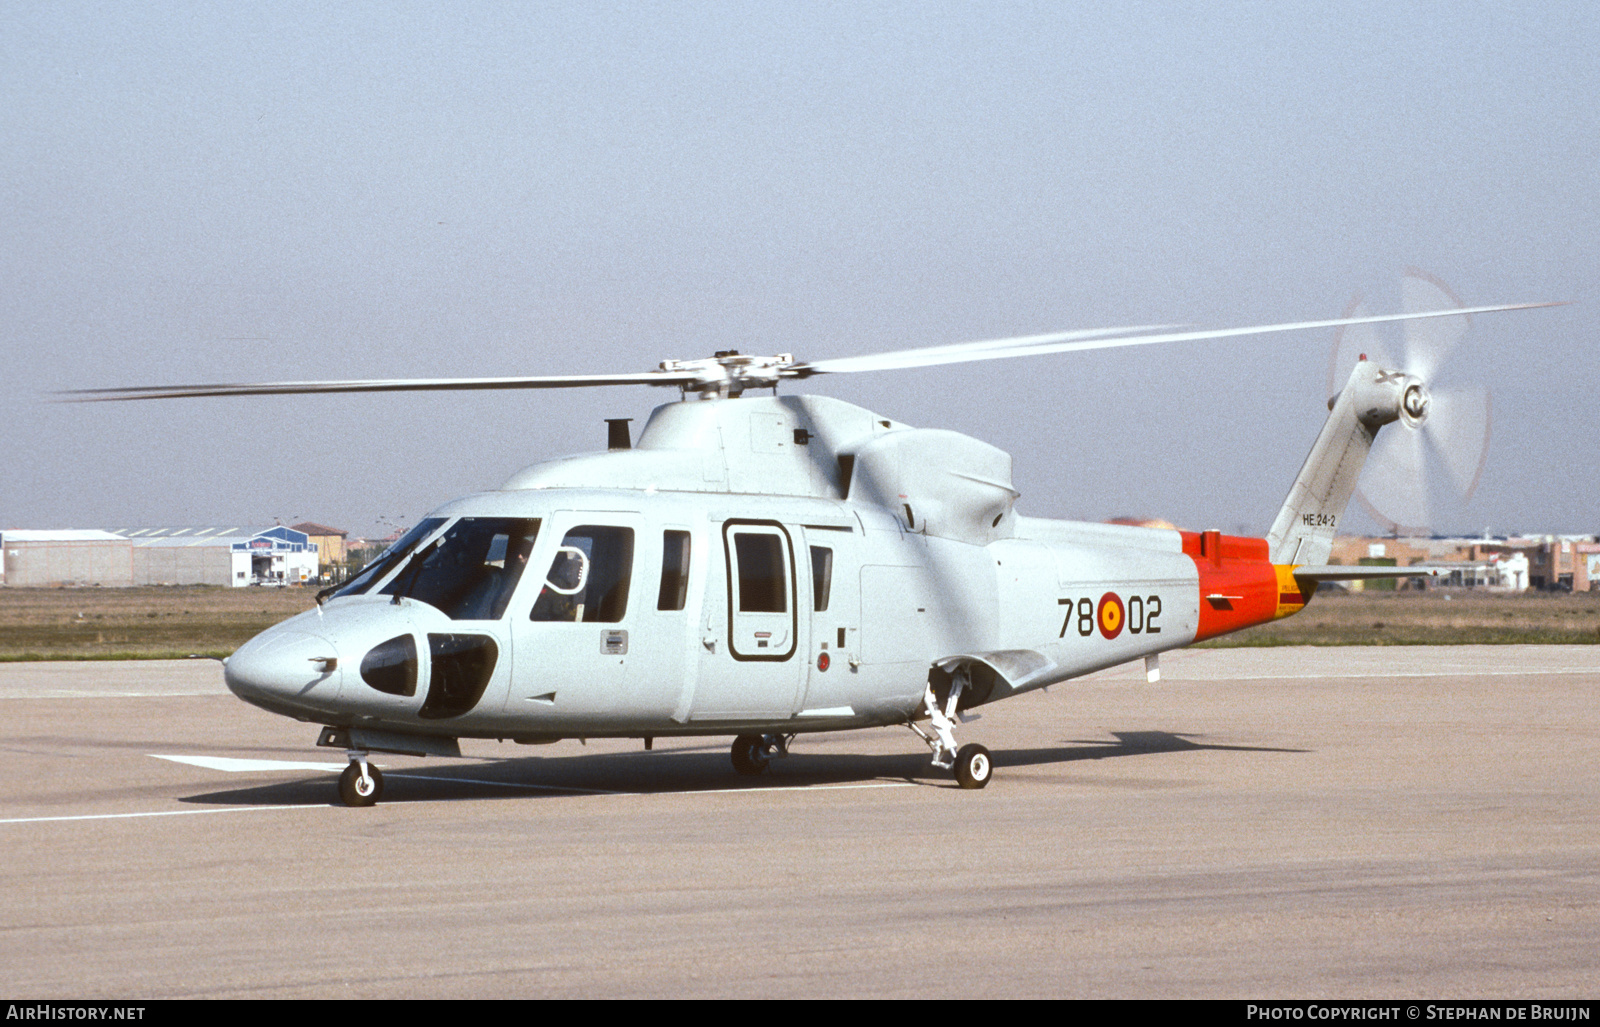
1372	398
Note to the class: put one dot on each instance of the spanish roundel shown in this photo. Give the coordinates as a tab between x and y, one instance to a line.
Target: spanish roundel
1110	615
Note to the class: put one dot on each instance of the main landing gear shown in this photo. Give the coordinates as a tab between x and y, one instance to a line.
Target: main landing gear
753	754
361	784
971	763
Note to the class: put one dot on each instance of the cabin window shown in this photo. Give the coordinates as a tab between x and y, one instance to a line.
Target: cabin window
588	577
821	577
471	570
674	571
763	587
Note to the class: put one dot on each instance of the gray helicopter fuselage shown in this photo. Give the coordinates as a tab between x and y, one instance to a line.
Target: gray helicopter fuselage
770	565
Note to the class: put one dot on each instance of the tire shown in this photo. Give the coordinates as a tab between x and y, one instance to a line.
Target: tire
350	790
973	766
749	755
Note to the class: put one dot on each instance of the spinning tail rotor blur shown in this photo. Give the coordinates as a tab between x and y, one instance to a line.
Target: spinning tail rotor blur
1450	442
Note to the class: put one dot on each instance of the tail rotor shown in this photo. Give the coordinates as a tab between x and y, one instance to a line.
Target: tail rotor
1449	441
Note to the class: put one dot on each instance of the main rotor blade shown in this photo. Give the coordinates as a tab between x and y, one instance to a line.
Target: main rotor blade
959	354
573	381
715	373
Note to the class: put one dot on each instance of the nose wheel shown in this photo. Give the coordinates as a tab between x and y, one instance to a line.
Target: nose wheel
361	784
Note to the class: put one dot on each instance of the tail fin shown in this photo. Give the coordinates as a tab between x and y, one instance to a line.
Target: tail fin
1372	398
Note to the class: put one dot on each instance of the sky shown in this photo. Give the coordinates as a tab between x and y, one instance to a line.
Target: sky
199	193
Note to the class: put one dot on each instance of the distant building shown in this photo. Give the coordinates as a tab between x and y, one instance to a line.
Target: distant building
330	543
157	556
65	556
1551	562
1589	553
221	556
1499	573
1349	550
1565	563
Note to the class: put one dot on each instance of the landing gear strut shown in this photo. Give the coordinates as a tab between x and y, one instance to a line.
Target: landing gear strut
971	763
361	784
753	754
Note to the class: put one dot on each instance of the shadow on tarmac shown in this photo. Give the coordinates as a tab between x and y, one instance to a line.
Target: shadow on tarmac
684	771
1141	743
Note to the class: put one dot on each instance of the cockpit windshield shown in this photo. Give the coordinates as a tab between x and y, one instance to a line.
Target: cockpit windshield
388	560
471	570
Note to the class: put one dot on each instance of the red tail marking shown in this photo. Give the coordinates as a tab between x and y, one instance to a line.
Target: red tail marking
1239	568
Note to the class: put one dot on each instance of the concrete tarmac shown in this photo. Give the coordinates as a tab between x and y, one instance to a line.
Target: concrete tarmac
1264	823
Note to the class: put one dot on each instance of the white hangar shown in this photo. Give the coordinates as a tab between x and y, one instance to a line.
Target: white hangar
232	556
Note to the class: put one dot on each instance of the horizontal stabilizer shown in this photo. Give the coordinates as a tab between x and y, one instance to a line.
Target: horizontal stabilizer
1333	572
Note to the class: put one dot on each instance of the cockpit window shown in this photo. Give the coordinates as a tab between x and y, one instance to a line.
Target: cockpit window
588	578
471	570
389	559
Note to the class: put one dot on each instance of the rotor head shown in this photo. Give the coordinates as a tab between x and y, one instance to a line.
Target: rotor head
1414	401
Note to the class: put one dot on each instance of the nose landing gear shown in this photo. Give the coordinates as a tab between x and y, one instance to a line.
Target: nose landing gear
361	784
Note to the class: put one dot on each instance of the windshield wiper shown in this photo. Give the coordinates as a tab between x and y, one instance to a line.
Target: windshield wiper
408	577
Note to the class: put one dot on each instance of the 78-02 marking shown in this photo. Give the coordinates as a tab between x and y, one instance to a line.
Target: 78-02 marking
1138	614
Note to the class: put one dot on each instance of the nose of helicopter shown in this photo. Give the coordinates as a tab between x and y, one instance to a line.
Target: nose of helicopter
286	671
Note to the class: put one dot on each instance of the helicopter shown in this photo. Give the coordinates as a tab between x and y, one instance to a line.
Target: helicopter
768	566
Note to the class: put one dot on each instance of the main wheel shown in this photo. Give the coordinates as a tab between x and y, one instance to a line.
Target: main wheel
973	766
750	755
356	792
